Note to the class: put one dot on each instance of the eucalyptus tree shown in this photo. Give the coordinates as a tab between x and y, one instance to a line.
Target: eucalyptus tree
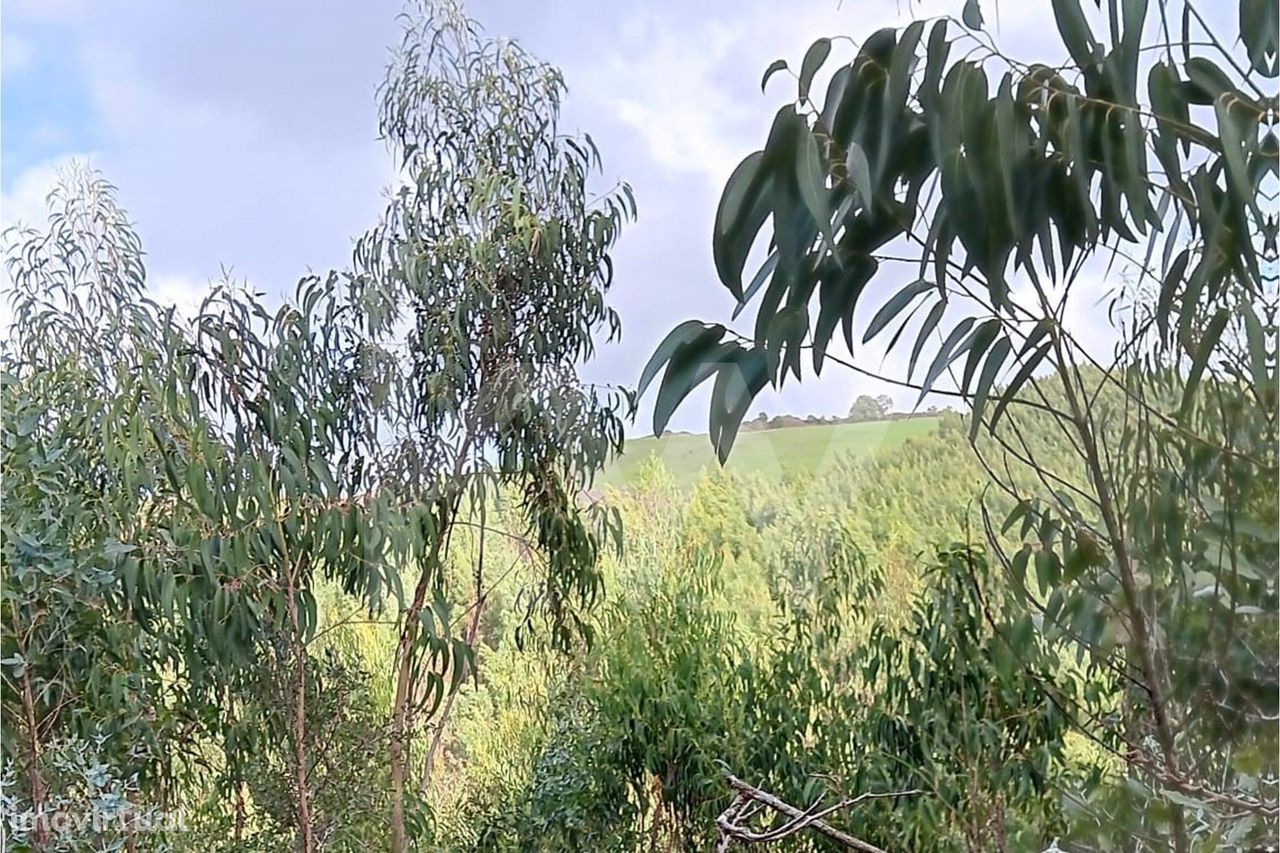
174	489
491	265
72	669
996	188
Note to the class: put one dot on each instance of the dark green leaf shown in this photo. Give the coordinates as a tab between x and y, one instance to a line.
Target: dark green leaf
977	346
1259	24
990	370
1232	142
811	175
904	61
737	384
859	170
1075	32
761	276
972	14
741	213
894	307
1029	364
936	53
943	358
1256	339
926	328
774	67
1208	344
686	332
1207	82
813	59
838	296
1172	279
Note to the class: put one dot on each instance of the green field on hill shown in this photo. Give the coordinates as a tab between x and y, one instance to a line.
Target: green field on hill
771	452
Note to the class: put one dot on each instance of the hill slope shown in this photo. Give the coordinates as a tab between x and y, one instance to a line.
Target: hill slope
771	452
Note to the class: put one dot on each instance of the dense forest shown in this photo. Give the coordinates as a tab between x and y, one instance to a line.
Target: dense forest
371	567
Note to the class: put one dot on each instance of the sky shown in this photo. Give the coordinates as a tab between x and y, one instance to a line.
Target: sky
242	135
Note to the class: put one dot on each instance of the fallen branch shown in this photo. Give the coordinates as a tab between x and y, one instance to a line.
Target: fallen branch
732	821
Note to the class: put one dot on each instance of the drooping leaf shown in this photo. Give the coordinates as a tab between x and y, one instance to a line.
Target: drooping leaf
737	384
1232	151
1128	51
1259	22
936	52
978	343
741	213
690	365
757	282
686	332
926	328
904	61
1075	32
838	297
774	67
1256	340
1204	351
811	175
1007	395
894	306
944	356
990	370
1172	279
813	59
860	175
1207	82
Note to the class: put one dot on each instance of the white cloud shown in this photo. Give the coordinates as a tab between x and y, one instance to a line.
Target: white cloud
185	293
25	204
245	134
690	88
25	201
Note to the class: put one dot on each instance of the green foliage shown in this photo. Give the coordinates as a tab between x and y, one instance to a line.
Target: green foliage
495	248
176	488
249	555
826	694
181	488
868	408
1008	190
1014	172
774	453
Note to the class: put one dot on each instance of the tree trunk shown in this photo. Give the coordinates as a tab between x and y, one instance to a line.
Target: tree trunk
238	827
399	717
401	734
1140	640
301	772
437	737
400	730
473	628
39	792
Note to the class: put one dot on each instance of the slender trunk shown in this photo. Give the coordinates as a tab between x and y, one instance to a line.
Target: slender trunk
399	717
299	701
400	730
437	738
1140	640
39	791
473	628
238	827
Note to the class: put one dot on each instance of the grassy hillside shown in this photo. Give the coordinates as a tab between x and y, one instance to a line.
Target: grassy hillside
771	452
